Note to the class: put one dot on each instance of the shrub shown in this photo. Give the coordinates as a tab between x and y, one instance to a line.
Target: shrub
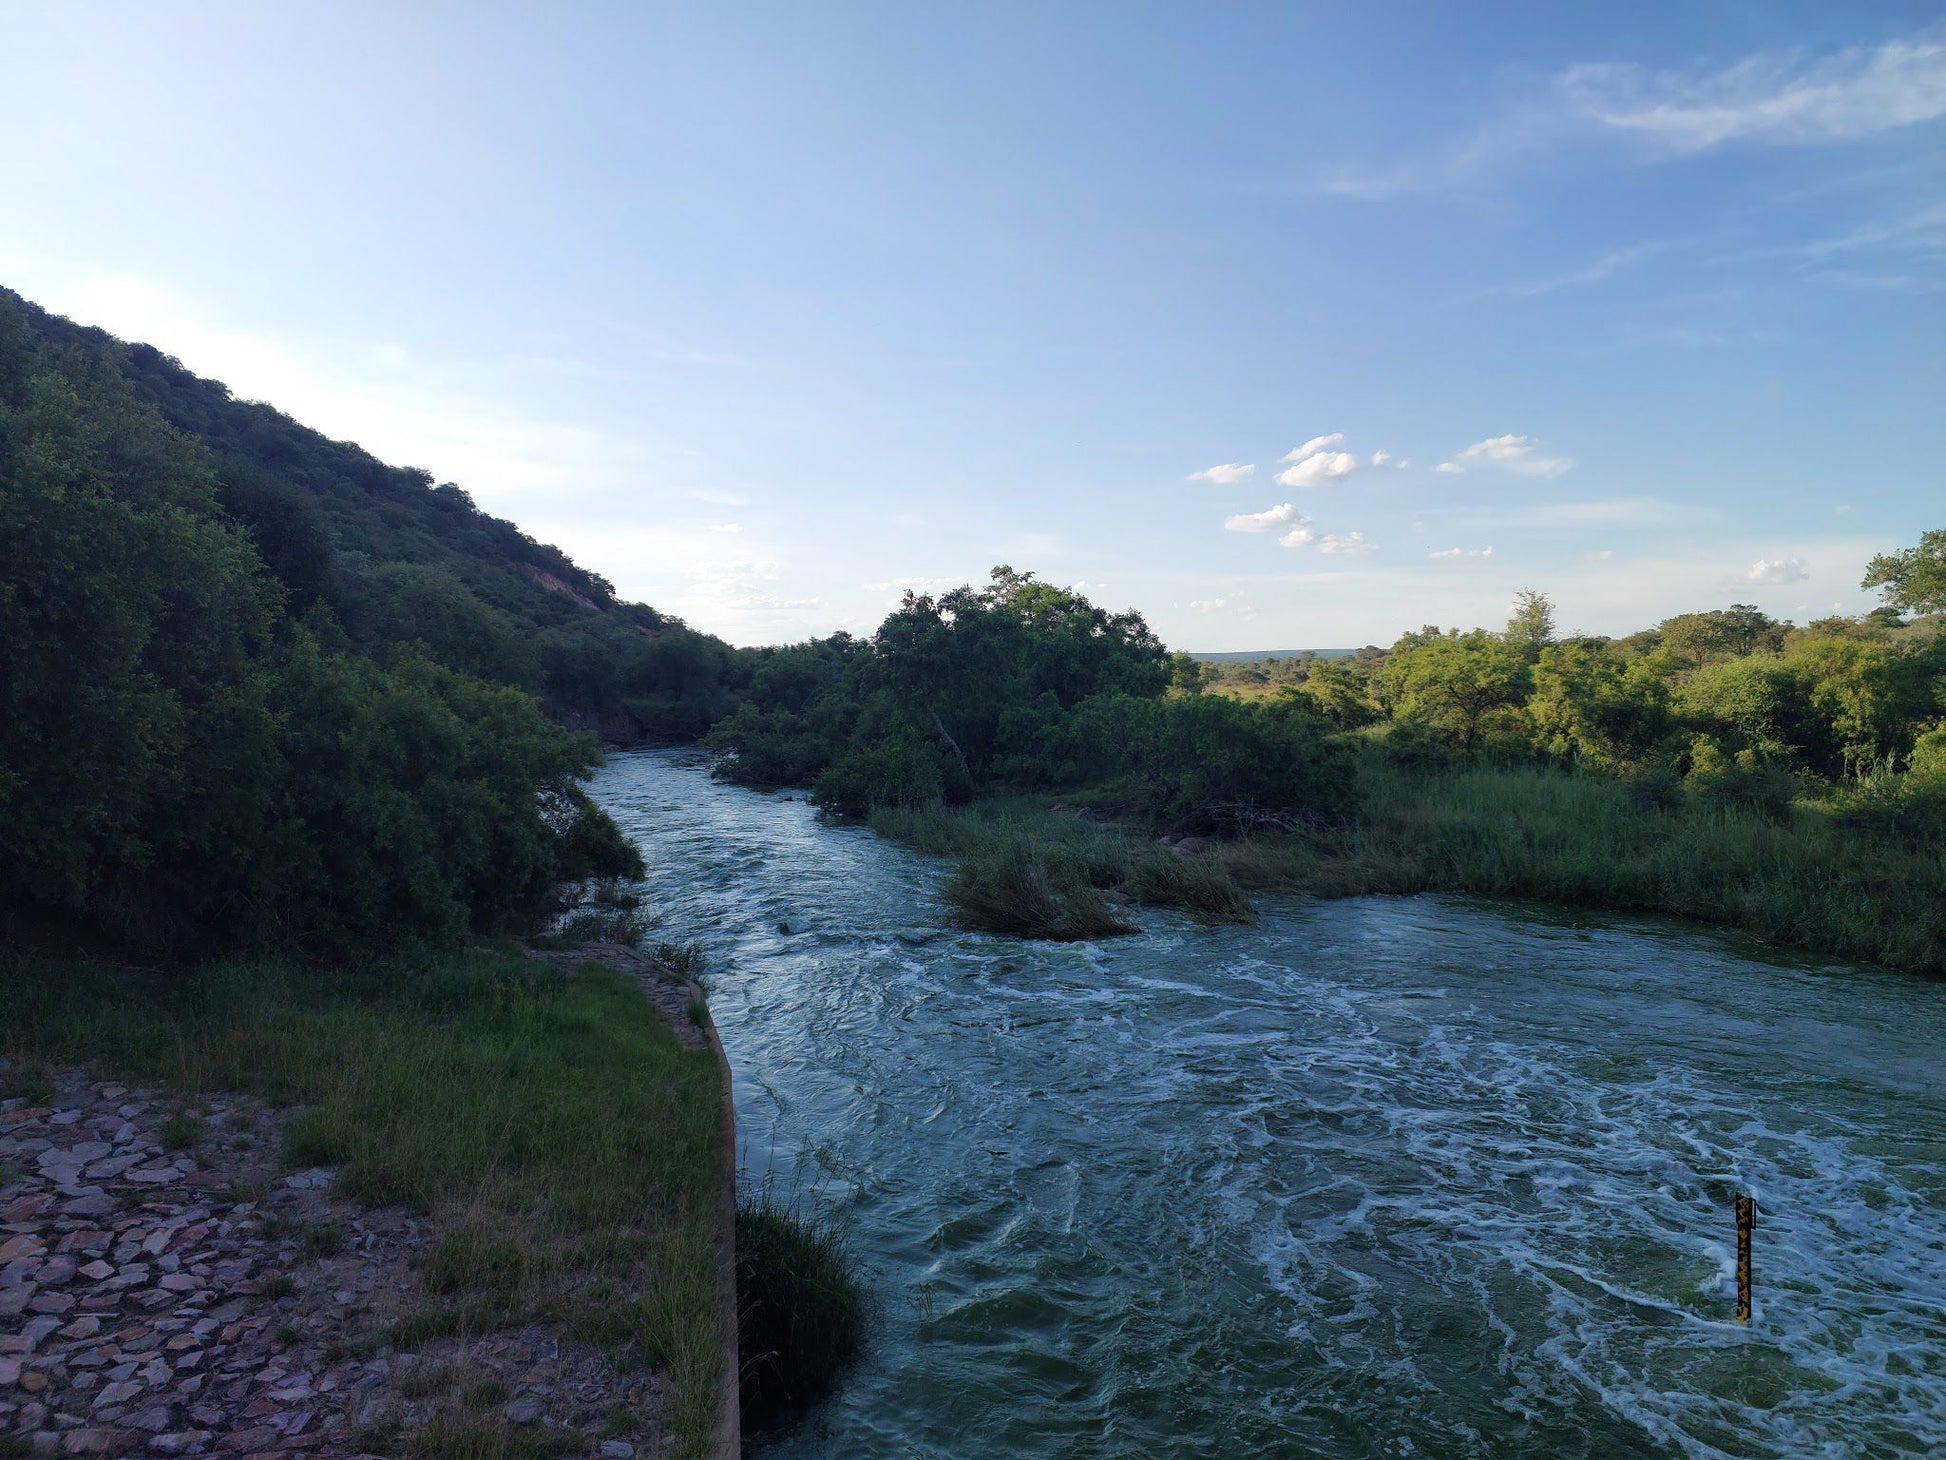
1744	780
896	772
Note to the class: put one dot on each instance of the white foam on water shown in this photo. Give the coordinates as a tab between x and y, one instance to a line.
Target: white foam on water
1395	1177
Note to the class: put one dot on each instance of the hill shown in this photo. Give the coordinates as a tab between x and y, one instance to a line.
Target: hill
402	560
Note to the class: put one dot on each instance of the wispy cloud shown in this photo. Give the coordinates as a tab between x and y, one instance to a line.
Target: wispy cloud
1606	266
1311	447
1783	98
1268	520
1226	475
1459	552
1779	98
1352	543
1518	454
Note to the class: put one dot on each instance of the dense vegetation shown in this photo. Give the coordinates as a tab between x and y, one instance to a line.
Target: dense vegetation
202	748
405	566
1722	765
1022	686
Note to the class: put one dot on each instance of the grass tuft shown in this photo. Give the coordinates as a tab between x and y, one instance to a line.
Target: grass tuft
801	1309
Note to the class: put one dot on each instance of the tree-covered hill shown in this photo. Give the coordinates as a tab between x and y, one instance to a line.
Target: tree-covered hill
218	732
401	561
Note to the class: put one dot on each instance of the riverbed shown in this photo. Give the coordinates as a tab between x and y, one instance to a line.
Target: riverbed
1414	1176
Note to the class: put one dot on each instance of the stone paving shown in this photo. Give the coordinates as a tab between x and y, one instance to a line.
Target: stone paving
166	1290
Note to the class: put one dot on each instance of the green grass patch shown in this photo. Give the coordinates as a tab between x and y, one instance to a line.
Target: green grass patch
1810	878
556	1104
801	1316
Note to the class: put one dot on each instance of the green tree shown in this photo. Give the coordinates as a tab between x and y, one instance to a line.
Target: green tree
1530	628
1591	706
1912	580
1447	684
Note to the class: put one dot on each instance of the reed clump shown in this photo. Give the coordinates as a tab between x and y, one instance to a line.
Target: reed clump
801	1308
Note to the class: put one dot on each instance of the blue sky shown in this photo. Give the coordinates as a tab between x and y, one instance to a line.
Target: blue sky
767	312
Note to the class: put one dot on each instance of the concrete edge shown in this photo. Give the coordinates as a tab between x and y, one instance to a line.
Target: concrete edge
727	1444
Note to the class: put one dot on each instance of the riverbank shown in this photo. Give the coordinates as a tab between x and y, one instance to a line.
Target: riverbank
545	1132
1803	880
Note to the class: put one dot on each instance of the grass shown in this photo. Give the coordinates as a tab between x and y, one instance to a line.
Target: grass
554	1106
182	1131
801	1312
1035	873
1805	879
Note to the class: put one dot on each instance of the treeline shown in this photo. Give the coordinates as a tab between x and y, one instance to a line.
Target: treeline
222	729
407	567
1024	687
1729	705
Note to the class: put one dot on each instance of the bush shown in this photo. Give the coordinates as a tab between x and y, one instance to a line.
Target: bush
895	772
801	1314
1745	780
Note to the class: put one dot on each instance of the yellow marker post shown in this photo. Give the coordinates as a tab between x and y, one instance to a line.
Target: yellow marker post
1746	1224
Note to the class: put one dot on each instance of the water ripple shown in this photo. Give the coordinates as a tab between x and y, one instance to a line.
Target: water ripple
1385	1177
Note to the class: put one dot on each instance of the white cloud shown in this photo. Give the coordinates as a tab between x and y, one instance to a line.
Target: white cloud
1779	97
1519	454
1352	542
1385	458
1299	536
726	527
1598	555
719	499
1226	475
1778	570
1315	444
1208	605
1268	520
1458	552
915	585
1315	470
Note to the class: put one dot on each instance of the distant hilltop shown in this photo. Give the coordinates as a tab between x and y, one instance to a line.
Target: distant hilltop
1251	656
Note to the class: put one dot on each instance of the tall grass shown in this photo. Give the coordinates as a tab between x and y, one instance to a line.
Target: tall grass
1804	879
801	1312
1034	873
554	1107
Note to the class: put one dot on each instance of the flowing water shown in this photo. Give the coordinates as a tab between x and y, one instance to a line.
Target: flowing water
1380	1177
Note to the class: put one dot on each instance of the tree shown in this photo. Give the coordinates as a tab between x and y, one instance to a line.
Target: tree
1449	683
1721	633
1912	580
1530	628
1591	705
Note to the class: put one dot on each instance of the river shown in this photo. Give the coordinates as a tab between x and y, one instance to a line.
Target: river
1379	1177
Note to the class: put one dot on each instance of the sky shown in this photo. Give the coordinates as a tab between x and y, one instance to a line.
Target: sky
1294	325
